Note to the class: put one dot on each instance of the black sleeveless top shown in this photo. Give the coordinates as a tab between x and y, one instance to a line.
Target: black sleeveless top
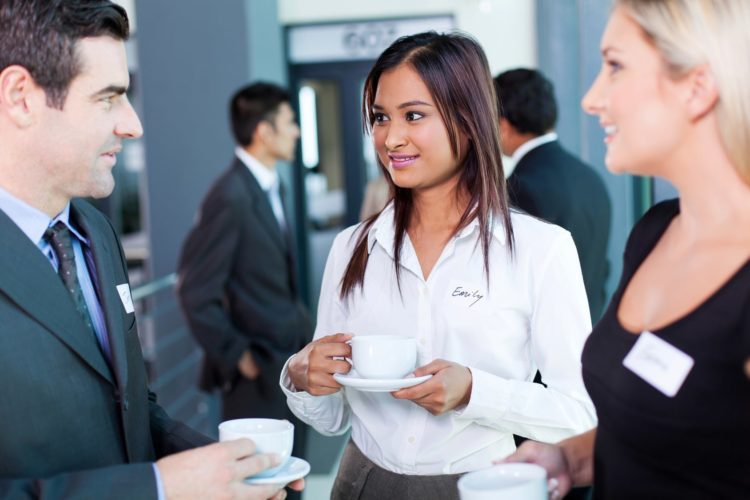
695	445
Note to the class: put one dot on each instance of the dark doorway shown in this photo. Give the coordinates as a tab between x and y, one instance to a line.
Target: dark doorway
334	163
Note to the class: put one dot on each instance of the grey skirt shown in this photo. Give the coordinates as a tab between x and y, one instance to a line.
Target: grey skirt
360	479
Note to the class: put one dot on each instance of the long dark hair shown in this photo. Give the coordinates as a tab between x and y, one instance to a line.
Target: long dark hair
455	71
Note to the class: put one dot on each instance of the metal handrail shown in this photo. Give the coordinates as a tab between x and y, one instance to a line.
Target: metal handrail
152	287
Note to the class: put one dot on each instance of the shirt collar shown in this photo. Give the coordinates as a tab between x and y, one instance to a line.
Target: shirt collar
527	146
383	230
64	217
497	228
32	221
266	177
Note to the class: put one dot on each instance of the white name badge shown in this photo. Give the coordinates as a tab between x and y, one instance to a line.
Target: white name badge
659	363
127	300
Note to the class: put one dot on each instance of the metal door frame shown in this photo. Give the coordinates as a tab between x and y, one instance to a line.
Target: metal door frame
349	76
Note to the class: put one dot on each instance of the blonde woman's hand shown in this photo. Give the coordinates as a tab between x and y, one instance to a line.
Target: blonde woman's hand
552	458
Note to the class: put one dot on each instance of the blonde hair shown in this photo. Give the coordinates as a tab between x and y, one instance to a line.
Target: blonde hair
689	33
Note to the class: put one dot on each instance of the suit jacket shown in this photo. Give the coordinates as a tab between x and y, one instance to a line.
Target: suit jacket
237	289
554	185
71	426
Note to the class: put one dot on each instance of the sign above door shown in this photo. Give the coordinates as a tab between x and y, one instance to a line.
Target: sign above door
356	40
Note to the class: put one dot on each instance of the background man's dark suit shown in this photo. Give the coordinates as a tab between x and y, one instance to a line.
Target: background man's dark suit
62	408
550	183
238	291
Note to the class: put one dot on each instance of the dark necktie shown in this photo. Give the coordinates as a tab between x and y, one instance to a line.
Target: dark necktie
60	239
282	198
274	195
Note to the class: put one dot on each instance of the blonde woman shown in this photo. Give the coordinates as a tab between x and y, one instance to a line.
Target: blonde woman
668	365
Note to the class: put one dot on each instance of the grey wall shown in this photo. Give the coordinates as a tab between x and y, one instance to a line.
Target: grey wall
192	57
568	42
266	57
190	61
266	60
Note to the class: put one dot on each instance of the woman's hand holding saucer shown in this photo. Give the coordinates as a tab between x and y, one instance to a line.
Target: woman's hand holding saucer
312	369
449	387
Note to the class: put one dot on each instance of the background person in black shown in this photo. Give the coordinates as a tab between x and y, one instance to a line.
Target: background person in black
550	183
237	282
673	101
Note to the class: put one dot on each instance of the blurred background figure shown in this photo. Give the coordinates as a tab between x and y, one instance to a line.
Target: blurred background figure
377	194
237	283
548	181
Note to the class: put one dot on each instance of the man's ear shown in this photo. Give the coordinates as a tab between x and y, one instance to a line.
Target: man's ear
17	95
508	137
703	92
263	132
503	127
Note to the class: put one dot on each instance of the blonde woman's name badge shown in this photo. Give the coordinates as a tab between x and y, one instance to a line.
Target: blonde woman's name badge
659	363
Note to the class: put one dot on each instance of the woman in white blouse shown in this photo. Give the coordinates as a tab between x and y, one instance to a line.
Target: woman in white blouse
429	104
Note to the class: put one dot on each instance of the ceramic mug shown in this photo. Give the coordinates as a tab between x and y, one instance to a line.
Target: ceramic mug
513	481
269	435
383	356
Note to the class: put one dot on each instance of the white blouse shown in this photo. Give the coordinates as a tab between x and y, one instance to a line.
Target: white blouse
534	314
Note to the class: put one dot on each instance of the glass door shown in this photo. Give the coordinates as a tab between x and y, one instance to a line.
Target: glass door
333	164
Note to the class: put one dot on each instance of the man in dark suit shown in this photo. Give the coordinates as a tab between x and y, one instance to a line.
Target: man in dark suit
550	183
77	419
237	276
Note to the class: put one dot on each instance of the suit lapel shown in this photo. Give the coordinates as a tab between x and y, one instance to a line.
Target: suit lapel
289	240
261	205
109	298
27	277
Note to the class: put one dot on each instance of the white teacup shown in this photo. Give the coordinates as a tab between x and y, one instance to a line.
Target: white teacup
269	435
517	481
384	356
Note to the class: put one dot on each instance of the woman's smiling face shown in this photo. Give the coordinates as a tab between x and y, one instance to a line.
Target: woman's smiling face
410	137
639	104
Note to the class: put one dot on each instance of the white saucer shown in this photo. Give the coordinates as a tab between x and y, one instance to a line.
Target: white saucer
353	380
294	468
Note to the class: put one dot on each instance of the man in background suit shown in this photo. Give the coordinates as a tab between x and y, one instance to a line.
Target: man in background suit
237	281
550	183
77	419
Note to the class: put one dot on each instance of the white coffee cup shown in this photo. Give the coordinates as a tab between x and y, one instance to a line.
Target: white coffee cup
269	435
384	356
517	481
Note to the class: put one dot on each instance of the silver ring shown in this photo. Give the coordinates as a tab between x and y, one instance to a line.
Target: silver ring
552	485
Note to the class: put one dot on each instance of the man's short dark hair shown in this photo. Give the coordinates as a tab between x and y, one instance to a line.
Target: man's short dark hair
42	35
527	100
253	104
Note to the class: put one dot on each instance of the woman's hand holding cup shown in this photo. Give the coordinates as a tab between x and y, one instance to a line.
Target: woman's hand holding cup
552	458
312	369
449	387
